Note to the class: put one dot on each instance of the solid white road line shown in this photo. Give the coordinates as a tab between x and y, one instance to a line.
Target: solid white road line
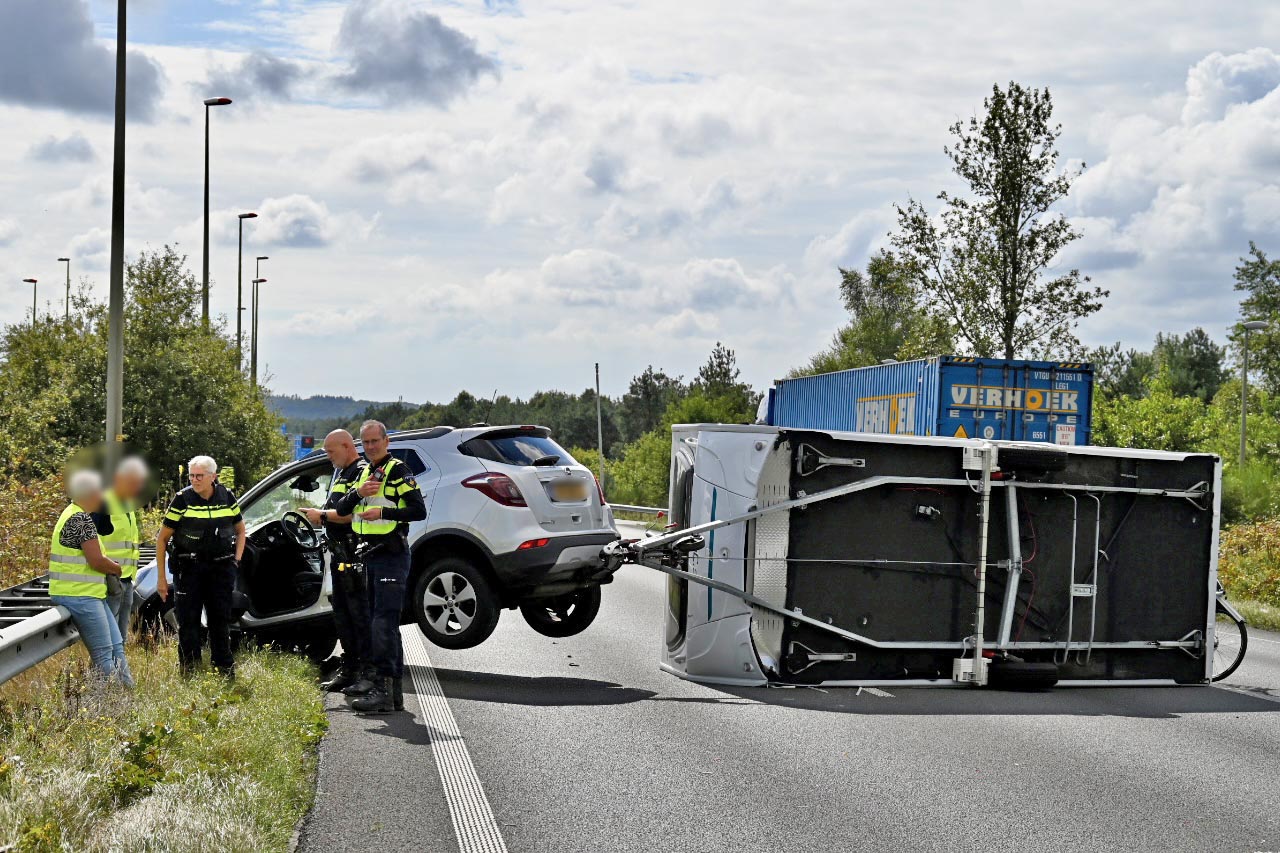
473	821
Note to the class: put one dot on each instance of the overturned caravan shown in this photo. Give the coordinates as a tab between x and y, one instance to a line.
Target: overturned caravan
834	558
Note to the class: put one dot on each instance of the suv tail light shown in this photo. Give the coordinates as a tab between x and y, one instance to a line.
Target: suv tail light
498	487
600	491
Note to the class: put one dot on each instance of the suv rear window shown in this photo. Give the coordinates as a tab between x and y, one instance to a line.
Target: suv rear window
516	449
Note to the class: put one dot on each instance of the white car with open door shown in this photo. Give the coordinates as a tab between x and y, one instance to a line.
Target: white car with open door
513	521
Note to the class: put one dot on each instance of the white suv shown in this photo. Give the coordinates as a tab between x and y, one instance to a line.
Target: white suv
512	521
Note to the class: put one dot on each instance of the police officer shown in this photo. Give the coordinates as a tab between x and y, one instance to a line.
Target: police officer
207	533
383	502
350	592
121	535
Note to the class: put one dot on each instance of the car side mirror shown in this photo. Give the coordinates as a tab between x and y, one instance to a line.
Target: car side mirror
305	483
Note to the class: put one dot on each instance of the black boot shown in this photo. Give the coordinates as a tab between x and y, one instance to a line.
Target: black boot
342	679
397	693
379	700
362	685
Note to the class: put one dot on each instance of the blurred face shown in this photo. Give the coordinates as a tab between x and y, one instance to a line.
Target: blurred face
129	484
375	444
92	502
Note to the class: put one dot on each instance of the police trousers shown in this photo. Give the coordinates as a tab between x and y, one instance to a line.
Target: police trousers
204	586
351	614
388	575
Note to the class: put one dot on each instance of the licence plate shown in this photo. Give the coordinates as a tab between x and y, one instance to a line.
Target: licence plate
569	492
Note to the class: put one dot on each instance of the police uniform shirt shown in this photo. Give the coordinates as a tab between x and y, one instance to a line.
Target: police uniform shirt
204	526
344	478
400	485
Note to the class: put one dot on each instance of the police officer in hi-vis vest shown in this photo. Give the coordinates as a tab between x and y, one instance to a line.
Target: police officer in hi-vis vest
120	533
207	533
350	591
381	505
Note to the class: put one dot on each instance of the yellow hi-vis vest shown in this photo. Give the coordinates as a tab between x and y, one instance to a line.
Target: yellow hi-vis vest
124	543
381	527
69	569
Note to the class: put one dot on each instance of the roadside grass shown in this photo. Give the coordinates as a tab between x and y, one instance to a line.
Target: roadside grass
1264	616
175	765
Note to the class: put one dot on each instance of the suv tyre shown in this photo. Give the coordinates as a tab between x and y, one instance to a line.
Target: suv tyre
564	615
454	604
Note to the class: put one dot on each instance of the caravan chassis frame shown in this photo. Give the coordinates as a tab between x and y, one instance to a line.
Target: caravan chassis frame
1194	643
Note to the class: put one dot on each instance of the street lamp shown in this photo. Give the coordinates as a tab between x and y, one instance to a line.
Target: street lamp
209	102
67	261
253	330
240	287
253	325
32	282
1250	326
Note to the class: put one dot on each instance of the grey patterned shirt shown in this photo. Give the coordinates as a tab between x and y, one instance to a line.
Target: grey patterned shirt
78	530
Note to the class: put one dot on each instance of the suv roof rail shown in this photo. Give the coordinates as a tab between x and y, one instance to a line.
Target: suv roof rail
426	432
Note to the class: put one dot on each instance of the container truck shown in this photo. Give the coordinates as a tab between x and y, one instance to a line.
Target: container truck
947	395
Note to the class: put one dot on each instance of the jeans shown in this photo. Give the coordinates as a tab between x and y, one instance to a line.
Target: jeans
122	607
100	633
351	615
207	587
388	575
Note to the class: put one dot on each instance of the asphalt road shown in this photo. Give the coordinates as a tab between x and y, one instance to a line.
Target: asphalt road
582	744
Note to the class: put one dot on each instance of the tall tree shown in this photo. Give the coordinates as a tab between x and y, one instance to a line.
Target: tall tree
1193	363
888	320
1258	277
719	377
647	397
986	261
184	390
1119	372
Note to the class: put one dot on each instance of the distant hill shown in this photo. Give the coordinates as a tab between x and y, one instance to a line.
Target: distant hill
321	407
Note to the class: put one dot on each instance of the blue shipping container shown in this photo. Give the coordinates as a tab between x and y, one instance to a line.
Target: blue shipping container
992	398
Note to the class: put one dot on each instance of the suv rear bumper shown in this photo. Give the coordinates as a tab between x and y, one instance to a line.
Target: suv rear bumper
563	564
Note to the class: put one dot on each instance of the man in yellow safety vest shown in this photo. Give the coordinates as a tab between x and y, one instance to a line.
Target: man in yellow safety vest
120	533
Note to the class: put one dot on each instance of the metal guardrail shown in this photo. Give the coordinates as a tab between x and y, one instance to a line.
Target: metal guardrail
31	628
642	510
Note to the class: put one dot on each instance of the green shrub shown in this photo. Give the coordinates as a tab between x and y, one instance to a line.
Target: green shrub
1251	492
1249	561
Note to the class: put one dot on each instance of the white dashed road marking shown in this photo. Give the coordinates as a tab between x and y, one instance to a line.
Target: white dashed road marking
473	821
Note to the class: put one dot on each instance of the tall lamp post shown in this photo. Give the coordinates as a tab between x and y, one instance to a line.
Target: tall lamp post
115	294
253	325
253	331
209	102
67	261
240	288
32	282
1251	326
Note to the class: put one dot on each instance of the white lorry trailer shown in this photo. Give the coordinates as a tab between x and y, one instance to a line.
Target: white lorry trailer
807	557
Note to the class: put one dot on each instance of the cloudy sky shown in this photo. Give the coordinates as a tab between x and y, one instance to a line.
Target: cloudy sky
492	194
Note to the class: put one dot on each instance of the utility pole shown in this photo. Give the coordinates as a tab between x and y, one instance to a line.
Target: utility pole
32	282
115	309
599	427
